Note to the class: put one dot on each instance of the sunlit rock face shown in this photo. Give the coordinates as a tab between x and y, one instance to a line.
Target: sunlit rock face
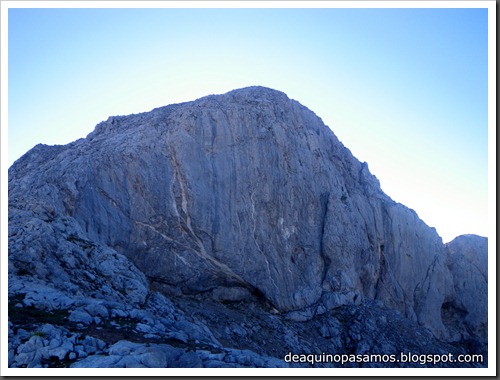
246	194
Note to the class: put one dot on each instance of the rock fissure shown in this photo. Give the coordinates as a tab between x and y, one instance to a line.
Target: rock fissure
262	253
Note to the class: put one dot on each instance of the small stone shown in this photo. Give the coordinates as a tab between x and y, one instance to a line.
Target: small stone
81	316
188	360
80	351
33	344
299	315
118	313
140	327
130	362
178	335
97	361
124	347
97	310
59	352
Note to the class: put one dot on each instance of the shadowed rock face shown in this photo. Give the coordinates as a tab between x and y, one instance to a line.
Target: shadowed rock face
249	193
465	313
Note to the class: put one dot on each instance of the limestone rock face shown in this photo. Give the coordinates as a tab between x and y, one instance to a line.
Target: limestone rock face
466	312
239	195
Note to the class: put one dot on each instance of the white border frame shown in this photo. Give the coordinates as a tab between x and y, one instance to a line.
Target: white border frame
490	371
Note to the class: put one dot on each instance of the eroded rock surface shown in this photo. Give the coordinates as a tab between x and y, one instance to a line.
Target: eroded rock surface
242	197
466	312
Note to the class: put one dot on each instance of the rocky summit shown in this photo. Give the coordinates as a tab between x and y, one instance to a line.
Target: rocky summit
235	230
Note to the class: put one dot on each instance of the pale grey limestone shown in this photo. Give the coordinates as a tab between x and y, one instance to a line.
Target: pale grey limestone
242	197
466	312
81	316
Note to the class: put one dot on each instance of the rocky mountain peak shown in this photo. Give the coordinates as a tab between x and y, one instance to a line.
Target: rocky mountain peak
258	93
245	197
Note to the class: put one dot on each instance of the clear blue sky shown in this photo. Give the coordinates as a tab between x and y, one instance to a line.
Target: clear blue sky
404	89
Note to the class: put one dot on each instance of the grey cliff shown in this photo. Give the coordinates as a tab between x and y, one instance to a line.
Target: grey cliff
234	198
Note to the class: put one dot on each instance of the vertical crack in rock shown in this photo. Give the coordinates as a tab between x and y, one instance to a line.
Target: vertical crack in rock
254	235
324	200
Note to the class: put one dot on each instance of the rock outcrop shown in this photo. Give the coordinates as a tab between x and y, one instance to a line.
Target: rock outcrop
242	197
466	311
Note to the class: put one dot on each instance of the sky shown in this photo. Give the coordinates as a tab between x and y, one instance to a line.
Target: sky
406	90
